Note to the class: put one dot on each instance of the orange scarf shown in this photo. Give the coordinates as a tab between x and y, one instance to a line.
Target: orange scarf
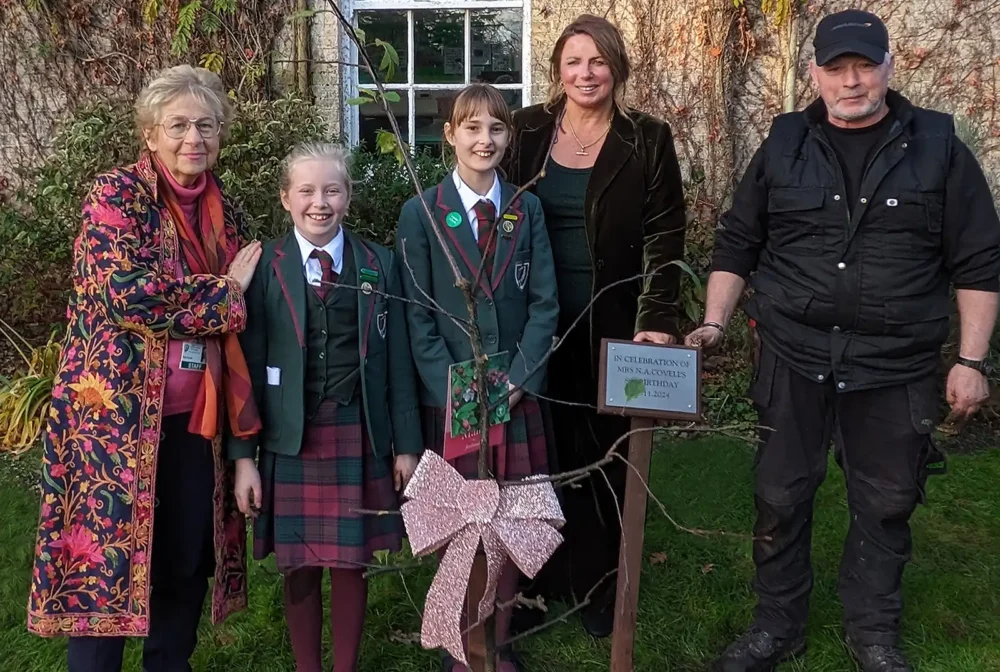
205	249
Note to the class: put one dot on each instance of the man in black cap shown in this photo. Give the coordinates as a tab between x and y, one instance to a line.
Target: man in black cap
853	221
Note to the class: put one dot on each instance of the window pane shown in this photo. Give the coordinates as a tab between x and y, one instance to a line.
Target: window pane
372	117
433	108
496	46
389	27
439	46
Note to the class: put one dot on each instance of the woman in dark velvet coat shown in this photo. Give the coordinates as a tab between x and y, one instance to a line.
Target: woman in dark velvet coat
614	208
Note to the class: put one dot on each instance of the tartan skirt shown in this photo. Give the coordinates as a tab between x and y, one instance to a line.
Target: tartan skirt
309	513
527	437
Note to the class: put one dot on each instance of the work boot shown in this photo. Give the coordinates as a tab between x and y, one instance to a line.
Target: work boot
759	651
878	657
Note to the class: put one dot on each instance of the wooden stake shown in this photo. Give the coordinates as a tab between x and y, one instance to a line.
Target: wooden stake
478	649
640	447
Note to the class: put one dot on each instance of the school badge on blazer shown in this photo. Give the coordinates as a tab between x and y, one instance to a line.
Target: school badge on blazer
521	273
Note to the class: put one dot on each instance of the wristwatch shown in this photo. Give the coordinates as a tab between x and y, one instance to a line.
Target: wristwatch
983	366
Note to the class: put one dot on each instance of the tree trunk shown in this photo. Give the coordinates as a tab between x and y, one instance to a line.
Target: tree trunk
791	60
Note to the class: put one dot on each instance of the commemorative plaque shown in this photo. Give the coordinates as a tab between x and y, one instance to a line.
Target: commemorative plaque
647	383
652	381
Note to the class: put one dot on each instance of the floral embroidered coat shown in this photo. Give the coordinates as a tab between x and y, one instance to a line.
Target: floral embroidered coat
92	558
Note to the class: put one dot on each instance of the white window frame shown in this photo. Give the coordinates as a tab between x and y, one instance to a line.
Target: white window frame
351	116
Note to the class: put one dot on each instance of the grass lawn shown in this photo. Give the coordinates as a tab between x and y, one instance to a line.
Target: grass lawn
691	604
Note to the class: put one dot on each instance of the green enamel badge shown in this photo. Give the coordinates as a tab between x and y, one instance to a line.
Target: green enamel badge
453	219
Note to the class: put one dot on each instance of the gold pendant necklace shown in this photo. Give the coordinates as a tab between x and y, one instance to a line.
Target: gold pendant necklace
583	148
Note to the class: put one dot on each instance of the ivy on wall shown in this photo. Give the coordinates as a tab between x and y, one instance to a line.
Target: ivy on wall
56	55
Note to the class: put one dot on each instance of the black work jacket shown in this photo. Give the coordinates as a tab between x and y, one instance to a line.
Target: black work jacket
860	294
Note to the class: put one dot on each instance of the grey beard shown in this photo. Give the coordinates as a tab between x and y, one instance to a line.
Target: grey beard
861	114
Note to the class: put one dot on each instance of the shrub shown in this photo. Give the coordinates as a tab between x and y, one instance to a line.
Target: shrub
250	161
382	186
37	228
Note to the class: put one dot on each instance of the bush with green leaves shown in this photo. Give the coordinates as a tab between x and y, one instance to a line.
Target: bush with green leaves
250	160
381	188
38	226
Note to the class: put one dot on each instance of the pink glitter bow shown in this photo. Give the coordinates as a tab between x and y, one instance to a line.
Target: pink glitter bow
519	521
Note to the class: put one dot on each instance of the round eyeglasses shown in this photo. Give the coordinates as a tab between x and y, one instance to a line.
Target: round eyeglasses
177	127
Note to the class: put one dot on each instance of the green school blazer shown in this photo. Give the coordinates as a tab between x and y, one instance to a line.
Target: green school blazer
274	345
517	308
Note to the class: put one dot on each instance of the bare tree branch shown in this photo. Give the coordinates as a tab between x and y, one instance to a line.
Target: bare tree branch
407	160
377	512
559	340
437	306
457	320
690	530
561	618
562	402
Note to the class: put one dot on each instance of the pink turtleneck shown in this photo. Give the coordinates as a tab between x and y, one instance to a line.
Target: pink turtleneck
182	383
187	197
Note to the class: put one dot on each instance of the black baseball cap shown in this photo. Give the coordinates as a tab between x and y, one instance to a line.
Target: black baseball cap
851	32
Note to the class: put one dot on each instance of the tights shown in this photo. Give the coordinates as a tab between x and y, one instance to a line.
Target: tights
304	614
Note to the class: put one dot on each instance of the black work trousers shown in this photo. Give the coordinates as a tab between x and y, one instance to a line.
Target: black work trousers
883	446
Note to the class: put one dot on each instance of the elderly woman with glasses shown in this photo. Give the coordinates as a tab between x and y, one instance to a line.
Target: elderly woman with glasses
137	502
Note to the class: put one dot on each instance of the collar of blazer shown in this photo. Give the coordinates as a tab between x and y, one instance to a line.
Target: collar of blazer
463	242
287	265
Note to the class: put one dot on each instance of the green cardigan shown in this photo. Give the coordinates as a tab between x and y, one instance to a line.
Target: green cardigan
517	308
275	340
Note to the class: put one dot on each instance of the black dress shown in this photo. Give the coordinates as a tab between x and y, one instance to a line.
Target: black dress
582	436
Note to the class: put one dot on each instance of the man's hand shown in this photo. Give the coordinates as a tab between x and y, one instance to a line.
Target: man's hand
967	390
706	337
402	470
248	493
657	337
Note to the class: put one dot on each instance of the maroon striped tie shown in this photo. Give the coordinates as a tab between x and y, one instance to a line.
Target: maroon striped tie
329	275
485	215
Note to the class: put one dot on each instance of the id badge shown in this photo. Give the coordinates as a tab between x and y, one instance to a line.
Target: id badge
193	355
